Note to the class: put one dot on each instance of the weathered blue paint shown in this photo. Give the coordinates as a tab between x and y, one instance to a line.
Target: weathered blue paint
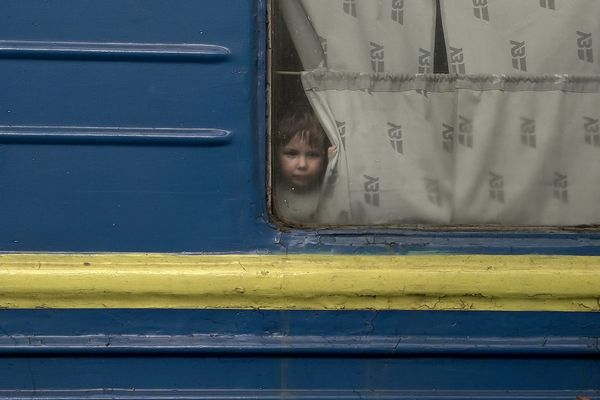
119	135
139	125
188	70
39	49
302	354
105	112
472	324
300	394
396	241
203	344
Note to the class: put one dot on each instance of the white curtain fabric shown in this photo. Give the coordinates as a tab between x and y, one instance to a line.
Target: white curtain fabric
522	36
363	35
392	166
471	150
506	144
524	154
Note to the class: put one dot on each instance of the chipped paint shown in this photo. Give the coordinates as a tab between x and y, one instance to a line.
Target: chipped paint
316	282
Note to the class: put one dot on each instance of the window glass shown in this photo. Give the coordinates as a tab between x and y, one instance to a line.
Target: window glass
448	112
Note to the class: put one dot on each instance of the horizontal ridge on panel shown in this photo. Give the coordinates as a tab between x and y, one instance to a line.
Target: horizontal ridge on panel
211	343
114	135
112	51
292	394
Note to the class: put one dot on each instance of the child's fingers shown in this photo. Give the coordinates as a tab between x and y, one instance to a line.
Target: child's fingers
331	151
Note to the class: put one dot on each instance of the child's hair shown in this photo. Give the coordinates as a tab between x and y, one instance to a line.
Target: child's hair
306	125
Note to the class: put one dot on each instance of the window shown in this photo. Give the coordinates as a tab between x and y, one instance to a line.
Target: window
449	112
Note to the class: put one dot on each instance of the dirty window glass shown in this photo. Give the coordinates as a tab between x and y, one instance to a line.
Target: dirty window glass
448	112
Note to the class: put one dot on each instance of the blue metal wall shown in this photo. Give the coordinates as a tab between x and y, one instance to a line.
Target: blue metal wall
187	354
114	136
74	73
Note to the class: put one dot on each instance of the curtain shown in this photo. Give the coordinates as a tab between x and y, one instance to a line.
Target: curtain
363	35
521	155
522	36
510	137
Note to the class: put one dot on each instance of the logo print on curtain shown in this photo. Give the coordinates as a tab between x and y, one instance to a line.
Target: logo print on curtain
519	59
457	60
592	131
528	132
398	11
424	61
496	187
432	186
377	57
350	7
341	127
561	187
481	10
465	131
551	4
448	137
372	190
395	134
584	42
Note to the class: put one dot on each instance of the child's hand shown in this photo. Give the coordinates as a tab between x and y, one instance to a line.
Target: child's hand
331	151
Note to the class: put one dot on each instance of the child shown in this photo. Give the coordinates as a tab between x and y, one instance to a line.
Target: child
301	154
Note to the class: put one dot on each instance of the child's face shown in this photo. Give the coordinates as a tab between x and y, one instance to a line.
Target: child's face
300	164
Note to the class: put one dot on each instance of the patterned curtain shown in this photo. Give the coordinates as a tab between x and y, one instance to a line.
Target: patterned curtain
531	157
378	36
511	136
522	36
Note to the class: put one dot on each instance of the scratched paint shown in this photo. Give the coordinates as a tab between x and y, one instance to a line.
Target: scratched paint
313	282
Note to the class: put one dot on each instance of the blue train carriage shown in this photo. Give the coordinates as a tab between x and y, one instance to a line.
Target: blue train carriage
141	255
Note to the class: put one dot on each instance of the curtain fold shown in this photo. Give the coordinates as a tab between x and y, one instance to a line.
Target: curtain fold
363	35
460	150
392	167
522	36
511	137
521	156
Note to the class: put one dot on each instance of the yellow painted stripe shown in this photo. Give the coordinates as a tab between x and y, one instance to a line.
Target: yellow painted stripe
315	282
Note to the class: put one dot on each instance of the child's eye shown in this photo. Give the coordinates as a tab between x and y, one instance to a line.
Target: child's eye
313	154
290	153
